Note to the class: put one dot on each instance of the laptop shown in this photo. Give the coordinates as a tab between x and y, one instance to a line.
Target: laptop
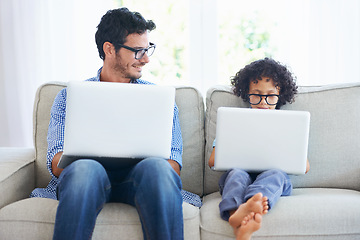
256	140
117	124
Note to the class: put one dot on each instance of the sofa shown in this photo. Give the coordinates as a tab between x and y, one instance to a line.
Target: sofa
325	203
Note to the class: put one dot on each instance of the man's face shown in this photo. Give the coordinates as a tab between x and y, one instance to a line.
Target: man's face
125	64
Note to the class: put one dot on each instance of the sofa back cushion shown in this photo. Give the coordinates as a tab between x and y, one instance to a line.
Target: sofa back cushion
191	114
334	134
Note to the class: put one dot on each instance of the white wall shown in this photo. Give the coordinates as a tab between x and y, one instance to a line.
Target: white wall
53	40
42	41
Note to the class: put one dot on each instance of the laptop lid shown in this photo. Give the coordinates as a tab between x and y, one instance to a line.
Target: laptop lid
257	140
117	122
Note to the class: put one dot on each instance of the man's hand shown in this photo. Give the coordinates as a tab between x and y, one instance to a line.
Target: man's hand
56	171
175	166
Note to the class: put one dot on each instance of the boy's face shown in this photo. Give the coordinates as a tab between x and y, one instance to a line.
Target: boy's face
265	86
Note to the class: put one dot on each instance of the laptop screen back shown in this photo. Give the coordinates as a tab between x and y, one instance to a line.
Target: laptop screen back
257	140
118	120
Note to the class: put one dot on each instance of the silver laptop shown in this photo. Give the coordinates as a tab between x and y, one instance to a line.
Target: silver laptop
257	140
117	124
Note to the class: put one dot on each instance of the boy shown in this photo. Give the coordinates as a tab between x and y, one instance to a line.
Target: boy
246	196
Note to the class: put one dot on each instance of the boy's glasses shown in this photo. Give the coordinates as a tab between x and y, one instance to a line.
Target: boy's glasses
139	53
271	99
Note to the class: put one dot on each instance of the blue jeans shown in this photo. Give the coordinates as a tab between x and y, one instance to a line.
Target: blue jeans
237	186
152	186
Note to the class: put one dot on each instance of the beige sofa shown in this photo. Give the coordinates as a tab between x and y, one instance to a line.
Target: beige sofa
325	203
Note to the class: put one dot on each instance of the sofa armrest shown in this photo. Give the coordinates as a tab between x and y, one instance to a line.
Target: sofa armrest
17	175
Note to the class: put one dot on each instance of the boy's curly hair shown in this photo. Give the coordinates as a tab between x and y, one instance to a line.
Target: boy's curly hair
270	68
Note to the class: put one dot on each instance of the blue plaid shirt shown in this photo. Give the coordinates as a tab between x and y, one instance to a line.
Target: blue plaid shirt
55	141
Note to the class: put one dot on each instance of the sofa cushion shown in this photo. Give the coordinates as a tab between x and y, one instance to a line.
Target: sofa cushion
191	114
310	213
34	218
16	174
334	135
334	130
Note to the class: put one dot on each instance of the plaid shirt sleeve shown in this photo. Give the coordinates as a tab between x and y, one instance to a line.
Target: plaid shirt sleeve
55	137
176	144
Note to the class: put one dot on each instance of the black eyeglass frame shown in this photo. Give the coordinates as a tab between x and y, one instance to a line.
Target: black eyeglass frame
261	97
152	45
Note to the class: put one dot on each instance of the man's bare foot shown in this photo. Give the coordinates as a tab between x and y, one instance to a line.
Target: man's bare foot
256	204
249	225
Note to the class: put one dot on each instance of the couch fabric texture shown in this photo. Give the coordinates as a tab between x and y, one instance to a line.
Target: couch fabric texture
325	203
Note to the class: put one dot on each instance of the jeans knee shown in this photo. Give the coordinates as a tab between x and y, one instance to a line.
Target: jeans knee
237	173
157	172
154	166
83	174
279	177
84	167
274	172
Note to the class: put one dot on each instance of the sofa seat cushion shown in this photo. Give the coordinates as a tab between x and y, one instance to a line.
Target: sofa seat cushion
34	218
310	213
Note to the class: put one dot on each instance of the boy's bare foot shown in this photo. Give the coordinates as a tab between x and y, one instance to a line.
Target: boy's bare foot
249	225
256	204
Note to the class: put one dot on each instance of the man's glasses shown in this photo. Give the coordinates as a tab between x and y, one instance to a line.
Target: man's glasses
139	53
271	99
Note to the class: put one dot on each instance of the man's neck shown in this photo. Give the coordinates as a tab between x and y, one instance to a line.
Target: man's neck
107	75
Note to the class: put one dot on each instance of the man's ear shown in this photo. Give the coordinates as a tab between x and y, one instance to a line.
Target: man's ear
108	49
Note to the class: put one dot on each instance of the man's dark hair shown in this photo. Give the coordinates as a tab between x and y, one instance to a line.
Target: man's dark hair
117	24
269	68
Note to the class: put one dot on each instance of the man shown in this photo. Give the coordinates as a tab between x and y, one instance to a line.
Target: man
84	186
